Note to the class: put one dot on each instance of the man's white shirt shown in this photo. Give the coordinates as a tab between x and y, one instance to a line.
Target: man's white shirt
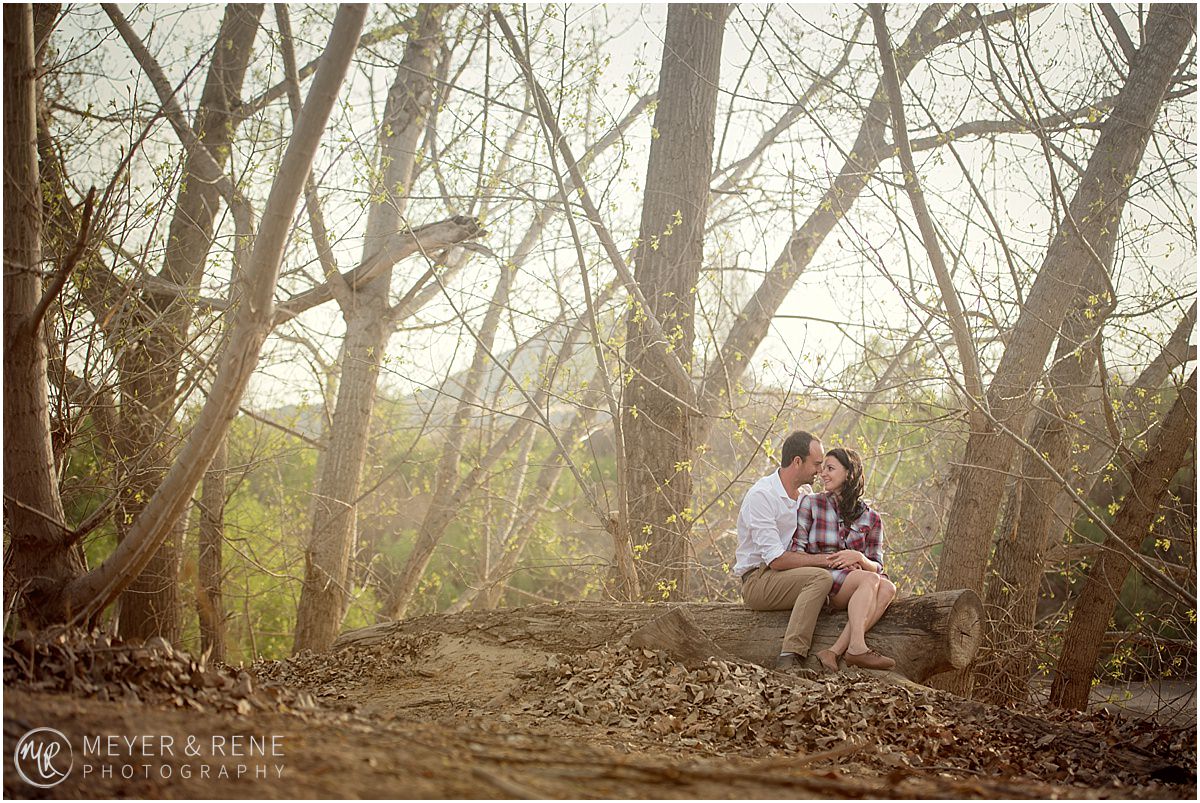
766	523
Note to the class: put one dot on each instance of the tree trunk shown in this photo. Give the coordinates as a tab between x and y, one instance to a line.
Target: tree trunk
324	596
1072	269
1015	577
926	634
210	607
657	427
38	560
252	322
160	332
1151	475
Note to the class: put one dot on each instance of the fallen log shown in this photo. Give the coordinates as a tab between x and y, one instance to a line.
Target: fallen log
926	634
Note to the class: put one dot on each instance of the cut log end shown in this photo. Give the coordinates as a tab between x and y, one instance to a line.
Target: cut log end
964	629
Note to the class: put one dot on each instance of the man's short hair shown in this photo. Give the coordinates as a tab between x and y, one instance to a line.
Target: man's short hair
798	444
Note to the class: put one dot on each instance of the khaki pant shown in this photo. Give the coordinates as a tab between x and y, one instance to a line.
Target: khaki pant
804	590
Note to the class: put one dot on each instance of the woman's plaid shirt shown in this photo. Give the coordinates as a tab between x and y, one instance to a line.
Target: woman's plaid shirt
821	530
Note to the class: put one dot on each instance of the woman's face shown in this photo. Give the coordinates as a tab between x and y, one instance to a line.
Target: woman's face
833	474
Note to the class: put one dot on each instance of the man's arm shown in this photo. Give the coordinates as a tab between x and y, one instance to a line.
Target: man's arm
797	560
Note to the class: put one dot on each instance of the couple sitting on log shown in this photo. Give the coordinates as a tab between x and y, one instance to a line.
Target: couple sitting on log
798	549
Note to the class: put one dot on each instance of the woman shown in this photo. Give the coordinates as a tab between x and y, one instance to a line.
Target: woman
839	523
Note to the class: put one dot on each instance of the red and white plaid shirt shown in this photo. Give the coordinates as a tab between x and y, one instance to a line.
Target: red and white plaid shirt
821	530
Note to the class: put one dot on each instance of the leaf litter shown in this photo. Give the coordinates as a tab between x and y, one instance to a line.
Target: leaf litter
726	707
717	710
96	664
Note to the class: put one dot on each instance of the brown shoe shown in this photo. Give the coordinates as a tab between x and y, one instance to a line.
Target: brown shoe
829	660
869	660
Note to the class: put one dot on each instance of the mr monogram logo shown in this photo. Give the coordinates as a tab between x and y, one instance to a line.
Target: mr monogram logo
43	757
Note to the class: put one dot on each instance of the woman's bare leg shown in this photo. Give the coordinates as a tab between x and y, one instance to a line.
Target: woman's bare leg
857	597
885	593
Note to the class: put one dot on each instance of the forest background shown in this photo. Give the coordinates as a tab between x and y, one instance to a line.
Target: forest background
462	381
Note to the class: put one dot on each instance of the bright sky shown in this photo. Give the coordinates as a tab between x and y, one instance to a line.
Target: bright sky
845	293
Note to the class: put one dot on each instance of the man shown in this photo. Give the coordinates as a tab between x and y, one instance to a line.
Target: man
774	578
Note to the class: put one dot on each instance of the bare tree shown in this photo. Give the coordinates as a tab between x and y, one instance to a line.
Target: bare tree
40	561
1037	506
1152	474
1074	266
324	597
657	429
161	326
45	567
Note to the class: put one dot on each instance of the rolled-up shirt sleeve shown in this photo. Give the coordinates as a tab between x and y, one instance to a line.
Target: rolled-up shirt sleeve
762	528
873	549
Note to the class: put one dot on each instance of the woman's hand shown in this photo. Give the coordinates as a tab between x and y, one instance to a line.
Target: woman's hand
849	559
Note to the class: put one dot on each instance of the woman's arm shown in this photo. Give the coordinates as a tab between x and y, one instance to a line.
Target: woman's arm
873	549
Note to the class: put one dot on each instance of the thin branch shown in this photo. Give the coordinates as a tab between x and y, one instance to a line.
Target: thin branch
733	173
316	444
1110	421
338	286
542	103
972	378
1118	29
978	128
64	271
255	105
40	514
175	116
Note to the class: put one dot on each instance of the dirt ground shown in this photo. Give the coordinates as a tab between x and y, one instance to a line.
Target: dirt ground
458	716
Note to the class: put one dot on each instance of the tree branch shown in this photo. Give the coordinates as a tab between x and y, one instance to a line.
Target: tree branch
64	270
255	105
333	277
1114	22
238	205
972	379
545	111
431	237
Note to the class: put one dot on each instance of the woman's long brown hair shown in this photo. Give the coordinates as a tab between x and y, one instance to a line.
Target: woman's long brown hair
849	497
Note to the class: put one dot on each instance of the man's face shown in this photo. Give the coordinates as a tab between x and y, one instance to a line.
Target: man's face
810	465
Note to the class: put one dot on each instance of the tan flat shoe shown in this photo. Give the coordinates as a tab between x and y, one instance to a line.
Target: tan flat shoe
869	660
829	660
